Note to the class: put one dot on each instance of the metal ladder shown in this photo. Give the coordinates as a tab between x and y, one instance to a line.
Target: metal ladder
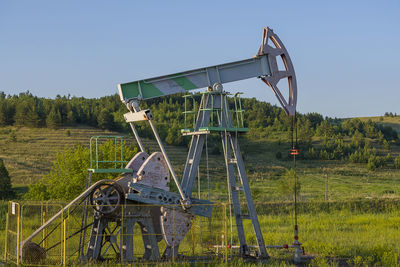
217	102
229	144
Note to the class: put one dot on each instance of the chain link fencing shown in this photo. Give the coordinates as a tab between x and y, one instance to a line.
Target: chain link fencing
357	232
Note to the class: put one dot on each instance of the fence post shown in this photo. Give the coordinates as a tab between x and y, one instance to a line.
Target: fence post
6	239
42	220
18	231
173	234
64	240
226	234
192	232
121	238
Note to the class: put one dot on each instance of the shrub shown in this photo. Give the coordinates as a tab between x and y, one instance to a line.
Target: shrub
388	158
6	191
386	145
67	176
375	162
397	162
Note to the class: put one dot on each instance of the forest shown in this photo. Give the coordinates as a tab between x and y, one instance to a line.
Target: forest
340	139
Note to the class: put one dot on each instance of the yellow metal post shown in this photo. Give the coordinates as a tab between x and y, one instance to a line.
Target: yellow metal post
121	239
64	240
45	243
192	230
5	245
173	234
42	221
226	235
18	232
61	237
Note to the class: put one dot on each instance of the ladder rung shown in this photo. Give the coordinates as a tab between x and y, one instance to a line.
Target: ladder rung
238	188
245	216
195	132
232	161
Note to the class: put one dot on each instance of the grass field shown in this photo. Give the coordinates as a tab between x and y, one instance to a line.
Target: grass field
393	122
337	229
362	233
30	154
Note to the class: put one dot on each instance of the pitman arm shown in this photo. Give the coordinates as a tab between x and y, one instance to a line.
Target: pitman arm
263	65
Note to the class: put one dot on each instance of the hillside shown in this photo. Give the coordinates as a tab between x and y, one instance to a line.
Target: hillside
392	121
360	219
29	152
361	153
29	155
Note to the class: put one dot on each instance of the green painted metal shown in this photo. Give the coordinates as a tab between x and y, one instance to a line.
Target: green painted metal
184	82
223	129
143	88
187	112
100	165
110	170
187	130
216	112
257	66
239	111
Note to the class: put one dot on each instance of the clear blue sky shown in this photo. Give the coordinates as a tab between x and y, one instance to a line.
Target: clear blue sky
345	53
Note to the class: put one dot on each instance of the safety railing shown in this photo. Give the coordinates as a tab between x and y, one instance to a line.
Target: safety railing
101	162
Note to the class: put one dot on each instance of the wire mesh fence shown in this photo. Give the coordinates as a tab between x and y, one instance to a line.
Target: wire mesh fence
82	234
11	251
364	232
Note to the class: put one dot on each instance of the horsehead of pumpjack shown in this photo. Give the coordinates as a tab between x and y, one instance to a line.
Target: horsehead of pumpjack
275	51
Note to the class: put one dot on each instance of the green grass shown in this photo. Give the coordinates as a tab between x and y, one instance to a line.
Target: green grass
364	232
393	122
30	156
359	224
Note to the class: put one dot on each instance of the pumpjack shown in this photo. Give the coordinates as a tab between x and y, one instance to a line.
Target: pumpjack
145	179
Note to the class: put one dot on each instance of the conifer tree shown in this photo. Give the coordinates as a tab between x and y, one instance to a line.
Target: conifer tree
53	120
6	191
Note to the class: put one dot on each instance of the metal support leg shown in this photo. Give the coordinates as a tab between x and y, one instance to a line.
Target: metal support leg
96	238
196	145
244	251
138	140
171	252
249	199
127	240
185	200
192	163
149	240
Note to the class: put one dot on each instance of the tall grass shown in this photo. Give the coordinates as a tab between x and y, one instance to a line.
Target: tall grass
362	232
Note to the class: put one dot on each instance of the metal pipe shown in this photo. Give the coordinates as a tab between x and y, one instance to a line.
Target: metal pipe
138	140
184	198
252	246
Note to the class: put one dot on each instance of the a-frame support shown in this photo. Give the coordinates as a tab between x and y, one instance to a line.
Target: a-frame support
214	108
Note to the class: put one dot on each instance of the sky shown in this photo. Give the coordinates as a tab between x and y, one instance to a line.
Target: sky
345	53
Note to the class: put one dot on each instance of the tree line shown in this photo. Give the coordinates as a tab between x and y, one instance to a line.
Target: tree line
349	139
